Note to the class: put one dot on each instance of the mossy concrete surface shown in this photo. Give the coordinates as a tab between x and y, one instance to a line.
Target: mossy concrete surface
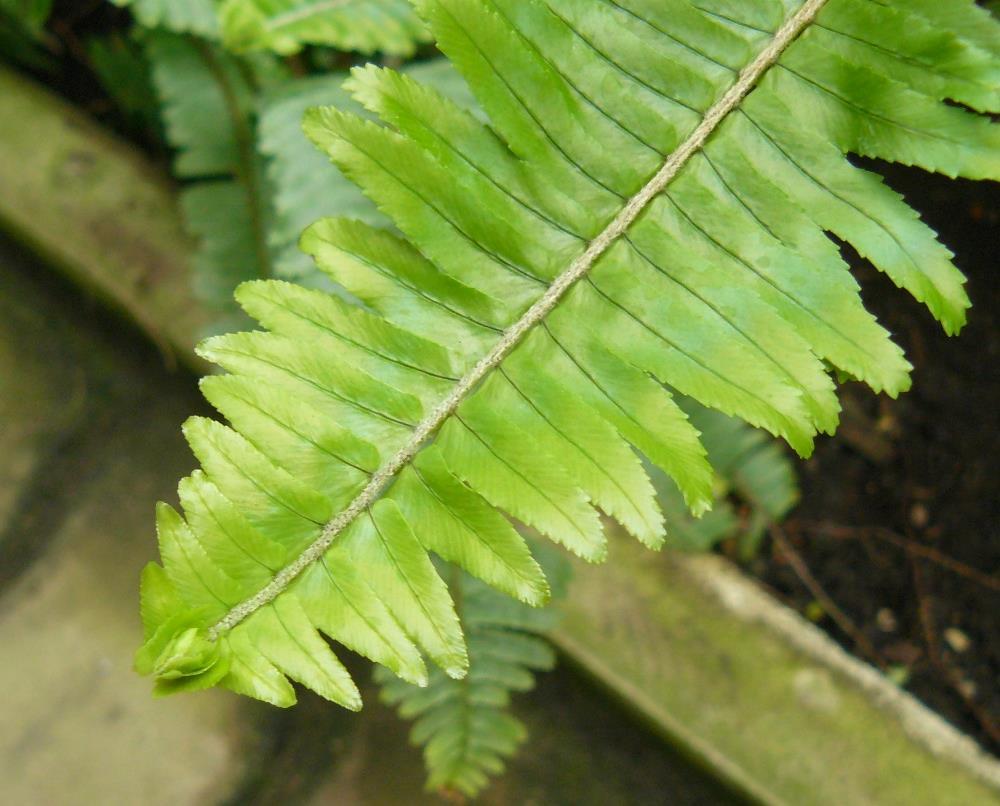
755	693
48	385
86	447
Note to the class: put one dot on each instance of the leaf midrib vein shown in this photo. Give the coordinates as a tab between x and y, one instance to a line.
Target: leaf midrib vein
512	337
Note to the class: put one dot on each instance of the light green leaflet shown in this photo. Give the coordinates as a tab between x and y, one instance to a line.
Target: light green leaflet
632	217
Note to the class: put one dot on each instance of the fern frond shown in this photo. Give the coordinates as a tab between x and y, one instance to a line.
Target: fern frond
209	100
121	66
464	725
286	26
646	207
199	17
305	186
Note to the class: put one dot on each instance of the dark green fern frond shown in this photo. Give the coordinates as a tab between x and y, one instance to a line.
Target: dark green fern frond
124	72
465	726
286	26
30	15
209	103
644	209
755	486
305	185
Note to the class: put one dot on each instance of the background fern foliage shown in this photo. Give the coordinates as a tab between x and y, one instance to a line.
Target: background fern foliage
285	26
180	16
208	105
637	218
463	725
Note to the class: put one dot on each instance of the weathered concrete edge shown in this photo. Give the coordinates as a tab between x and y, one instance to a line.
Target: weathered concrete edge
659	718
748	601
95	208
167	310
709	660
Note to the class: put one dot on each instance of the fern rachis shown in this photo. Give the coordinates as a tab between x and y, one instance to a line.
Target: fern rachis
563	267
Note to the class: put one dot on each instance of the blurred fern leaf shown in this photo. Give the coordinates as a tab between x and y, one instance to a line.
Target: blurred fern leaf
465	726
198	17
208	105
30	15
22	32
120	64
755	486
286	26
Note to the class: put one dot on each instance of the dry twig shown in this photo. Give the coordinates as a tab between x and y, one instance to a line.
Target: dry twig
841	618
907	544
947	670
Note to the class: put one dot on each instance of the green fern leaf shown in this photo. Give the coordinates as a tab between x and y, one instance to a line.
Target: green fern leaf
644	210
121	66
22	32
464	725
286	26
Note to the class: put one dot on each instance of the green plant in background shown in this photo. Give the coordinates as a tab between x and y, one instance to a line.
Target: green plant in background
463	725
286	26
755	486
209	105
199	17
566	270
22	24
211	71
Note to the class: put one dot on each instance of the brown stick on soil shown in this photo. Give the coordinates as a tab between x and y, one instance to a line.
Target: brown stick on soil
907	544
841	618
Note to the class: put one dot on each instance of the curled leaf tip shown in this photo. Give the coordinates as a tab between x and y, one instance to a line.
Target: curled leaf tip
189	653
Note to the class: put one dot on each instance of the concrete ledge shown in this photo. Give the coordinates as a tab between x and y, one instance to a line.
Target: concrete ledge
92	206
695	649
750	689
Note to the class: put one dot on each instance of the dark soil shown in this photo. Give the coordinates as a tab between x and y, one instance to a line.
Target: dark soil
898	524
